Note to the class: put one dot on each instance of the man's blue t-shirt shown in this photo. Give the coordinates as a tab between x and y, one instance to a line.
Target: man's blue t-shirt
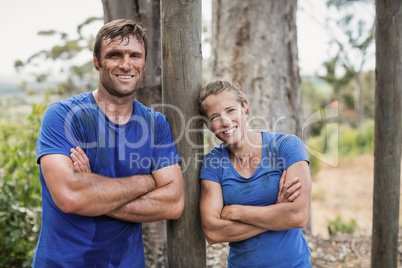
141	146
272	248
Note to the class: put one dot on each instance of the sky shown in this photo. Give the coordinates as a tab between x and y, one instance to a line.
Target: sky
21	20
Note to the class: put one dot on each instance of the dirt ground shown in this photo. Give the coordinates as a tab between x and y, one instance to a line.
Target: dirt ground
345	190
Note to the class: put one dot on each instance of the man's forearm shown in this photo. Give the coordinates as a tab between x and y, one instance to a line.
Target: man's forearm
163	203
94	195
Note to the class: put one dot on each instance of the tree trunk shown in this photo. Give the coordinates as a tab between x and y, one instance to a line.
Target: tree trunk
387	134
182	81
254	44
148	13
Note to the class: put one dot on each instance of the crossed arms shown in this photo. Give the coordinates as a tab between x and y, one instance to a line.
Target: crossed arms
138	198
235	223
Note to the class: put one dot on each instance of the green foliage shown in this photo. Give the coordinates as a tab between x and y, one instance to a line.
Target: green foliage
357	141
315	166
316	94
77	79
20	198
341	226
365	137
352	45
348	141
332	78
348	100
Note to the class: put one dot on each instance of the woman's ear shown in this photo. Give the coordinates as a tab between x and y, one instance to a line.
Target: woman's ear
245	107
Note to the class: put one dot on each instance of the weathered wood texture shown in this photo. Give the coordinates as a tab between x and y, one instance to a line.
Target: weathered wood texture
254	43
387	137
181	83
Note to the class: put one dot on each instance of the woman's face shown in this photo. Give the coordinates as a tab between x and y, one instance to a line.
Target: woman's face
227	119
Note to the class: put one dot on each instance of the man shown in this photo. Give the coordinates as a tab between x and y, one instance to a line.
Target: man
93	219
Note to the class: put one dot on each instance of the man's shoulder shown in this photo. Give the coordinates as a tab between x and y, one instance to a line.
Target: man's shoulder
80	99
147	113
70	106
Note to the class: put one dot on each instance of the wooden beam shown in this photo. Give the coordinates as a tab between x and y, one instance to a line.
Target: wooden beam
181	83
387	137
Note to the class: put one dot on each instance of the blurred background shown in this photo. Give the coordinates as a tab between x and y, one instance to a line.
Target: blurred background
46	55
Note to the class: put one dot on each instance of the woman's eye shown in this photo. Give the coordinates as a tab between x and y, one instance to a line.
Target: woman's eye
213	118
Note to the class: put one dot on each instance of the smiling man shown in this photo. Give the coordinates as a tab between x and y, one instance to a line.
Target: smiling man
92	216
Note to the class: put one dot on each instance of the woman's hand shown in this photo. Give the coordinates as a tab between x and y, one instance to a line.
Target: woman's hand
80	160
288	191
230	212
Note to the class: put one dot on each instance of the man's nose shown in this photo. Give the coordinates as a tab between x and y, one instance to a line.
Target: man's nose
126	63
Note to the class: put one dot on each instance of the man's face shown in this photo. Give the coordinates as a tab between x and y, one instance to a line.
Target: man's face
121	66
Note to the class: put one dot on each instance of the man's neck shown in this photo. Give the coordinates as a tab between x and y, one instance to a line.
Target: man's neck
117	109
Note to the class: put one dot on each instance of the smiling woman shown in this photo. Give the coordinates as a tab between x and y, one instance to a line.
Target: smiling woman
255	187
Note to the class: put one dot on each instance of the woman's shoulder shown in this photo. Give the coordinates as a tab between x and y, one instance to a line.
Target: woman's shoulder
279	137
217	152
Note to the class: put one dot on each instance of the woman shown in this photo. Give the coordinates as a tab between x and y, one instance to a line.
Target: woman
240	185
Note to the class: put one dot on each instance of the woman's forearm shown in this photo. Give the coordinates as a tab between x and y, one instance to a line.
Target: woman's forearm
220	231
276	217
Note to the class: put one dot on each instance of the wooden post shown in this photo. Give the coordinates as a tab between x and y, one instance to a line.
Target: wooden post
387	139
181	82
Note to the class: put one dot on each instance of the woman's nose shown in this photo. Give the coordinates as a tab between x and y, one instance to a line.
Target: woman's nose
226	121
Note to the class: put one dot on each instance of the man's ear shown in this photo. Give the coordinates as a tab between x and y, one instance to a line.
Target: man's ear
95	61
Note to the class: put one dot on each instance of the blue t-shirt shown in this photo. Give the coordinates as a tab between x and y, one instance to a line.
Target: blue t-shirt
141	146
272	248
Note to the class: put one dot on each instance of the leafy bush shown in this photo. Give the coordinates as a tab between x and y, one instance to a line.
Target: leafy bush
20	199
356	141
347	141
365	137
315	166
340	226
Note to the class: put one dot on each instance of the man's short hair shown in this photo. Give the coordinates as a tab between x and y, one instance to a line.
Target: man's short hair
120	29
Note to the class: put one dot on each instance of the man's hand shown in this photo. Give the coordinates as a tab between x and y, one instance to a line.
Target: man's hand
288	191
80	160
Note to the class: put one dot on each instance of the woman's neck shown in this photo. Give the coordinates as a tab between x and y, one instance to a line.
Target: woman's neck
248	147
246	158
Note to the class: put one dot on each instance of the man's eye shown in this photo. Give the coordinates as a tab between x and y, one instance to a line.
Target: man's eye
113	55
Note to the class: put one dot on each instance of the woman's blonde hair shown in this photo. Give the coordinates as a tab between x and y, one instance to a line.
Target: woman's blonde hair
216	87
